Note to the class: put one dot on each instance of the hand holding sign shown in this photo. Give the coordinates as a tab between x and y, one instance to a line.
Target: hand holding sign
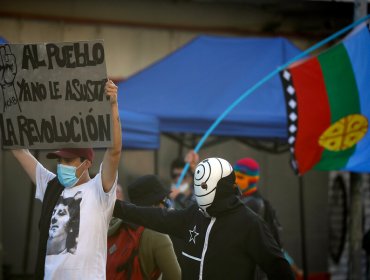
8	71
111	91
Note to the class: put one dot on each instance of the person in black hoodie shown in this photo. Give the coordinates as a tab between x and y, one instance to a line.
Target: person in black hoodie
222	238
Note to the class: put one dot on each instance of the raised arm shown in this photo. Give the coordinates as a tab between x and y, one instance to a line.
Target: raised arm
193	159
27	161
112	154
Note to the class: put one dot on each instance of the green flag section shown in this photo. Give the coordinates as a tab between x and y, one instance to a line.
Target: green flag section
328	107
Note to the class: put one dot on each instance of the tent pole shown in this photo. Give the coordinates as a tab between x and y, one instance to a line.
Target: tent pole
156	162
356	223
303	228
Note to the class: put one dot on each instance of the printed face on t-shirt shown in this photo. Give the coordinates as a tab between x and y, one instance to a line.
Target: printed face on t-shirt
64	225
59	221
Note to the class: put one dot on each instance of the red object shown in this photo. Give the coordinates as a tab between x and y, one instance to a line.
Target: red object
309	82
87	153
123	255
316	276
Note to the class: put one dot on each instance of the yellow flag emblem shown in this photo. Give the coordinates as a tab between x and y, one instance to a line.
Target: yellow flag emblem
344	133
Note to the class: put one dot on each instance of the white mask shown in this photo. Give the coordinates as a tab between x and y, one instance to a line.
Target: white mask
206	176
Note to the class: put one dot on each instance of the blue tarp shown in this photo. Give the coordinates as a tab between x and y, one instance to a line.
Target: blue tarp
191	87
139	131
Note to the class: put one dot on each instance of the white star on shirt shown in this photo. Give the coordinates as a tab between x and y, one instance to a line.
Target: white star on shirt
193	234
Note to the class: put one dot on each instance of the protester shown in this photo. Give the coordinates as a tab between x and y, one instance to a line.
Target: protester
247	172
75	206
222	238
182	195
154	250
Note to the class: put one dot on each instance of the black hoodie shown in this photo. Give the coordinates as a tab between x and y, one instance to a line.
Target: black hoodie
227	243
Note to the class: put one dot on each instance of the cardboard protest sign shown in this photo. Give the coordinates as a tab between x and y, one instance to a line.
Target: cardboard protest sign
52	96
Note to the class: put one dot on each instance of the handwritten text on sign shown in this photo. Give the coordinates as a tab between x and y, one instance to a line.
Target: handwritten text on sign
52	96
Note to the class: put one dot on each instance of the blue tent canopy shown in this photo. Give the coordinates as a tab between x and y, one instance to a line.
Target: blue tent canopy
139	131
190	88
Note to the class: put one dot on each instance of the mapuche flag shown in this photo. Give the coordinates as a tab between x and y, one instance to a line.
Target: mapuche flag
328	107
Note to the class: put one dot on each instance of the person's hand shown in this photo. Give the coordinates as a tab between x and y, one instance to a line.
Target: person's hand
8	66
174	192
193	159
8	71
111	90
297	271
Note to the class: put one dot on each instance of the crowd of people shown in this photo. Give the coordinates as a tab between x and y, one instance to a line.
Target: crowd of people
213	225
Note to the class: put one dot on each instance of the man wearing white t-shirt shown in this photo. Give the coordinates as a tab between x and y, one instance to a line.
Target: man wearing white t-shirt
76	209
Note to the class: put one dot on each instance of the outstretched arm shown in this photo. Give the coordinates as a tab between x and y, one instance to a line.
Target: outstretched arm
27	161
112	154
166	221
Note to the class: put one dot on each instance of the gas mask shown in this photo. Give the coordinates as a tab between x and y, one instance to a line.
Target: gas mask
206	176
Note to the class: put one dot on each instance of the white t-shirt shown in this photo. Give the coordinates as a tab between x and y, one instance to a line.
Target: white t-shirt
77	244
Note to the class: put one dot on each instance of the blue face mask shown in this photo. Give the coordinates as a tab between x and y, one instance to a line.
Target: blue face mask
67	175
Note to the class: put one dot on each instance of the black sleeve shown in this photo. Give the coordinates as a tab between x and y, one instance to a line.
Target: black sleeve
263	248
180	200
166	221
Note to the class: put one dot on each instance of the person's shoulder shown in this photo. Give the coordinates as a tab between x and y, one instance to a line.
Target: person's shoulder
155	238
245	212
153	233
41	169
43	175
255	203
193	208
95	179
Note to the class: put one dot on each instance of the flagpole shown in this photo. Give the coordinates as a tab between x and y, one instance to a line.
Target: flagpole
303	227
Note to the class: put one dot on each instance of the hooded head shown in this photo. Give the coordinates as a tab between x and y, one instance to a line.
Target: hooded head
247	172
208	178
147	190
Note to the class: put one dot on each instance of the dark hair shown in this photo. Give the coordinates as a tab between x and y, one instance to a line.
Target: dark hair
177	163
147	190
73	226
